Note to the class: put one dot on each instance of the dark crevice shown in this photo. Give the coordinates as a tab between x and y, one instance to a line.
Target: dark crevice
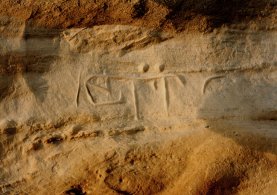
226	185
139	9
54	140
75	190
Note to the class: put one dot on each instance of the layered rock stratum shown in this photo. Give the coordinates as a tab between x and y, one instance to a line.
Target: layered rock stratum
138	97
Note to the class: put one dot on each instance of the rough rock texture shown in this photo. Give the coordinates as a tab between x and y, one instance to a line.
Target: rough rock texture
138	97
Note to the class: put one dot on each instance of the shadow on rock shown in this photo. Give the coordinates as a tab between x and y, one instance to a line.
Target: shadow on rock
216	12
242	106
38	49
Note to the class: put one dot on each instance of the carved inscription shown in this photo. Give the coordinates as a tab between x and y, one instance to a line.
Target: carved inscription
99	90
143	92
208	80
100	93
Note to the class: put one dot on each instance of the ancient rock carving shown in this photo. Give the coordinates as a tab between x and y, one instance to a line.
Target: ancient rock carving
99	89
101	84
209	80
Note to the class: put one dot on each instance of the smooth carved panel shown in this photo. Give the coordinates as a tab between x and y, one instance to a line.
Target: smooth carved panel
151	98
146	95
239	95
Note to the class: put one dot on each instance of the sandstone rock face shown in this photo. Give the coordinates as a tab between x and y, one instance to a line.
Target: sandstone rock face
138	97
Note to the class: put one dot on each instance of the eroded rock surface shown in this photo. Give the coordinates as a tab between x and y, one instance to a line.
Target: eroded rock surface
138	97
